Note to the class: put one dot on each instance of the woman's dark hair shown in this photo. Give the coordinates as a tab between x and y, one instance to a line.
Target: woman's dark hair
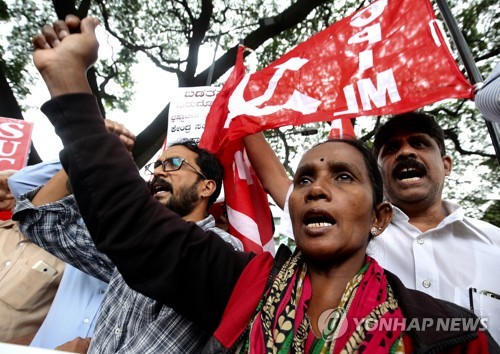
371	166
208	163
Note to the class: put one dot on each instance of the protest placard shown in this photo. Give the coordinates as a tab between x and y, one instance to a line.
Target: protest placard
188	112
15	142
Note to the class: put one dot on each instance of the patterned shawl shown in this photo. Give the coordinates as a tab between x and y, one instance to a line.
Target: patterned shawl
367	318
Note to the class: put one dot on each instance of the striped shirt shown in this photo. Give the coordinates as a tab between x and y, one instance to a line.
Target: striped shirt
488	96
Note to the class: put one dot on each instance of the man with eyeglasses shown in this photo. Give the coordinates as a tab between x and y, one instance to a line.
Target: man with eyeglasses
182	165
186	180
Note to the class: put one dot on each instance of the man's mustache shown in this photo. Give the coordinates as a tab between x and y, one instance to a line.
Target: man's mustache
409	164
158	184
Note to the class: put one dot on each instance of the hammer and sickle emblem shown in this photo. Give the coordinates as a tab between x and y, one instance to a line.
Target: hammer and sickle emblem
299	102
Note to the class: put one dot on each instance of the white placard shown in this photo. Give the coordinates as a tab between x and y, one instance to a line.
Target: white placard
188	112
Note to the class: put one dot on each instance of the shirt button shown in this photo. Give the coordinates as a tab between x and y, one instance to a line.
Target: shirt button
86	320
118	331
8	263
420	240
101	291
426	283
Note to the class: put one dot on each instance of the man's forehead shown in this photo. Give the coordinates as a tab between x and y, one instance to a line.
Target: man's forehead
405	134
178	151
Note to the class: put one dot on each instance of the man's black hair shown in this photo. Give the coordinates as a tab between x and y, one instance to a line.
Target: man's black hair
411	122
208	163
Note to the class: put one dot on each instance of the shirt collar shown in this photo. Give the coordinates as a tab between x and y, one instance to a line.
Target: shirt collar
453	211
208	222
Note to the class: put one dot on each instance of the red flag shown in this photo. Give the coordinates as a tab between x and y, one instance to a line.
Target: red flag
249	215
388	57
214	123
342	129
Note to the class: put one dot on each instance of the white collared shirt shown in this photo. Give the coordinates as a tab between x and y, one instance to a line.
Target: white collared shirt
445	262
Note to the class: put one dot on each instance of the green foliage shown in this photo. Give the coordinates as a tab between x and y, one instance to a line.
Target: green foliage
475	176
118	70
25	17
479	21
163	30
492	214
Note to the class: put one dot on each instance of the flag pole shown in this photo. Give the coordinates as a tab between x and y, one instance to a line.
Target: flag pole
470	66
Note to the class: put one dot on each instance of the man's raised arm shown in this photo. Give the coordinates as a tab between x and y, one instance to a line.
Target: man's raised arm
65	65
145	240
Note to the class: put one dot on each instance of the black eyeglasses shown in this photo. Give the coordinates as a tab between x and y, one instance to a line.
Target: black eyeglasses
171	164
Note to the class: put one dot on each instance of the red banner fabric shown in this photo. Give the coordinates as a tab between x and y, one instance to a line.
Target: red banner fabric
342	129
248	212
15	142
389	57
249	215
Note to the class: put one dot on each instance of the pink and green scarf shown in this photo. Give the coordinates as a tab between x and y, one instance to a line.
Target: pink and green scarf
361	322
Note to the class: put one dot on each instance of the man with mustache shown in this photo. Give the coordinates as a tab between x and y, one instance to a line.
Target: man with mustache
430	244
187	180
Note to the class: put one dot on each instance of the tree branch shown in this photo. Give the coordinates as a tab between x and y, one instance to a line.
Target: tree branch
453	136
269	28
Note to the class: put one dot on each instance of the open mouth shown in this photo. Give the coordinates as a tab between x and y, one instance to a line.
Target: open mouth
159	185
409	171
317	219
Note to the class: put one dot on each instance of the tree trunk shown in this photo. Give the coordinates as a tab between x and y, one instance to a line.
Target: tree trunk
9	108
